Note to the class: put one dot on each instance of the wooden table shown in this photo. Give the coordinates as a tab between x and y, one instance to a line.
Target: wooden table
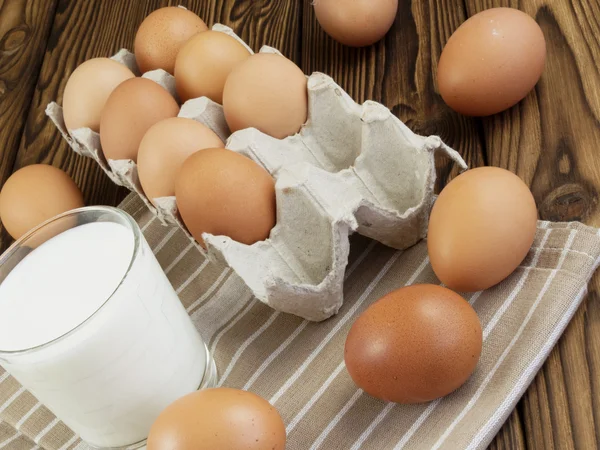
551	139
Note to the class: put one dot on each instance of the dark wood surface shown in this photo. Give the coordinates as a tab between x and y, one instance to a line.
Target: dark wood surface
551	139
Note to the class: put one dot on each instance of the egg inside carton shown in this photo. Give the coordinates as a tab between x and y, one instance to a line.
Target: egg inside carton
351	168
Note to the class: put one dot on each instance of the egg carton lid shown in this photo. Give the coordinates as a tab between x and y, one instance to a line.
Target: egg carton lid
351	168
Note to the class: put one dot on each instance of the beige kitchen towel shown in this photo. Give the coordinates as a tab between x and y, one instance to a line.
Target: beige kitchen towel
298	365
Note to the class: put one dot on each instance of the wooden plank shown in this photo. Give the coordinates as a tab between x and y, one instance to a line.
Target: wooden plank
511	435
258	22
24	29
544	403
550	140
592	348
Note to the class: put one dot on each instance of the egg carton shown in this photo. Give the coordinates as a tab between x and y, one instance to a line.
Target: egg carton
351	168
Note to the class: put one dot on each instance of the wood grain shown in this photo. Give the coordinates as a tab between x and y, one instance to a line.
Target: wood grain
24	28
511	435
257	22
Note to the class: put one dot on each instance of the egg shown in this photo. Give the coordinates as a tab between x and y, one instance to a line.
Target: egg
133	107
222	192
356	23
414	345
480	229
219	418
87	90
35	194
203	64
165	147
491	62
267	92
162	34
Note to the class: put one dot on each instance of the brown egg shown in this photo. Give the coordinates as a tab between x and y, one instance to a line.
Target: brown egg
267	92
222	192
221	418
204	63
165	147
35	194
491	62
481	228
414	345
356	23
133	107
87	90
162	34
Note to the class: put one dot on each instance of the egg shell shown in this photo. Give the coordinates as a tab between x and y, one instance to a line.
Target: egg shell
204	63
162	34
414	345
267	92
356	23
132	108
220	418
491	62
35	194
480	229
224	193
165	147
88	89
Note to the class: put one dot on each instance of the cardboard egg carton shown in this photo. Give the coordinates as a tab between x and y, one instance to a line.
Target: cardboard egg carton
351	168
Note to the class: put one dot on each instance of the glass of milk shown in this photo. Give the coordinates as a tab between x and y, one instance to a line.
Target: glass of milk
90	324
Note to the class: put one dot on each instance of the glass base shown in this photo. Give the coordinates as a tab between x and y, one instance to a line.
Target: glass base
209	380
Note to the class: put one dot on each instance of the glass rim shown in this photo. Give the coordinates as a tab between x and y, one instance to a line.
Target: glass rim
19	243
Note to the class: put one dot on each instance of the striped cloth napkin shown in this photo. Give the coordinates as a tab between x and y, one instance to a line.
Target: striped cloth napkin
298	366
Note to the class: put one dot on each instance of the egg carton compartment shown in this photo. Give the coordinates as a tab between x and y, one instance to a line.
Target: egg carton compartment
351	168
365	162
300	268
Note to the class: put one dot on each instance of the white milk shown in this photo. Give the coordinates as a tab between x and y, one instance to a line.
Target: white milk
111	377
